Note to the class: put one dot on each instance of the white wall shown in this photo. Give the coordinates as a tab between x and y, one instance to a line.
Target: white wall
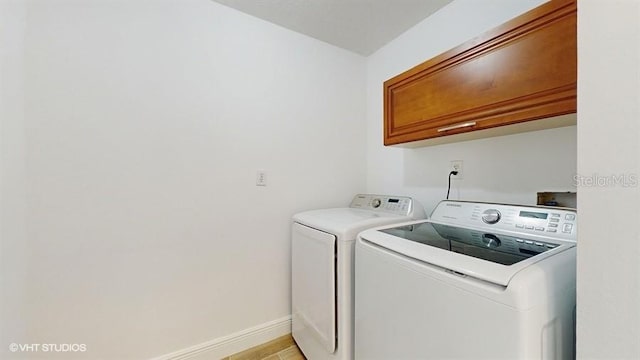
504	169
144	125
608	324
13	231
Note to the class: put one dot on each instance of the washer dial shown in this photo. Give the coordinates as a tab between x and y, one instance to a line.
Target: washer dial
491	216
491	241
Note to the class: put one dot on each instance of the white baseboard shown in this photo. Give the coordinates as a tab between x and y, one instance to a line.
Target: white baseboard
234	343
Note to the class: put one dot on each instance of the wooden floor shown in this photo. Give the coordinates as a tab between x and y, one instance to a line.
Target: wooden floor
282	348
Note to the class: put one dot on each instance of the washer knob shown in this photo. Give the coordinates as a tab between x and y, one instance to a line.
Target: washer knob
491	216
491	241
376	203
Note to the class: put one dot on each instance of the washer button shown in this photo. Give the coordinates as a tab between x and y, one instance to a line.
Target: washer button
570	217
519	240
539	229
554	220
567	228
519	226
552	230
539	244
555	215
528	242
553	225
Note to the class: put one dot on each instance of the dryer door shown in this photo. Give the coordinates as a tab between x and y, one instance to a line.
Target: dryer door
313	286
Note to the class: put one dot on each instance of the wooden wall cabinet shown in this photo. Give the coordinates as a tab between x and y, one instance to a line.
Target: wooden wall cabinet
523	70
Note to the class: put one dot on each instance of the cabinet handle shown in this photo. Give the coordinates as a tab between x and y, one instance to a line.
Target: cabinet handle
457	126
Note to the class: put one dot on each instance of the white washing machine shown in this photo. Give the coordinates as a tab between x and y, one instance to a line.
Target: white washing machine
475	281
322	270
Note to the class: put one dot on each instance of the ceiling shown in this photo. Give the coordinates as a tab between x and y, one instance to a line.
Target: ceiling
362	26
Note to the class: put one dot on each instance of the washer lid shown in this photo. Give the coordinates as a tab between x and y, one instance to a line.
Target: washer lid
492	257
346	223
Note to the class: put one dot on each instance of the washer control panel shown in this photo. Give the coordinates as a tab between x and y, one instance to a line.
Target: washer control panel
553	222
399	205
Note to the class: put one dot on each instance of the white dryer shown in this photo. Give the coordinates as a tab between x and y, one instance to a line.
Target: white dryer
322	270
475	281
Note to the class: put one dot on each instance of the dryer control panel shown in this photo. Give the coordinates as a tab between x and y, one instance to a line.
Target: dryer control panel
559	223
399	205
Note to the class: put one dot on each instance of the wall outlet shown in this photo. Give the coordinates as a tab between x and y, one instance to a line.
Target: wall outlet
456	165
261	178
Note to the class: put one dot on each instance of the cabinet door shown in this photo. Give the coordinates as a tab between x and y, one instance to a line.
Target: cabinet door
524	70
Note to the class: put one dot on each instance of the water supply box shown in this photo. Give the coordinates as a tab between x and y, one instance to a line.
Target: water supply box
560	199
